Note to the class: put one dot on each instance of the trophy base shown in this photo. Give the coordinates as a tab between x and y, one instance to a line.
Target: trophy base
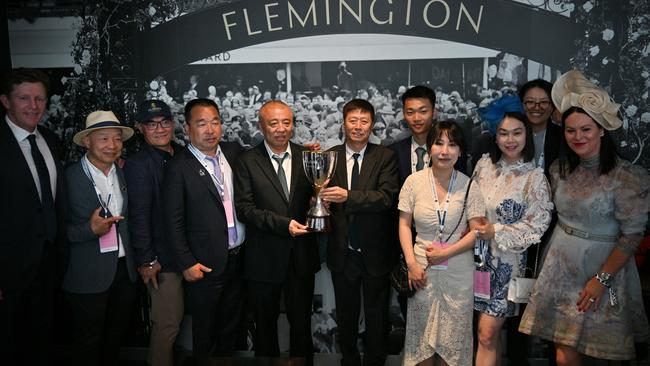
318	224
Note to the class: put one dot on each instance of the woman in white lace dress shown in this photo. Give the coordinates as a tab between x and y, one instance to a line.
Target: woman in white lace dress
439	317
518	204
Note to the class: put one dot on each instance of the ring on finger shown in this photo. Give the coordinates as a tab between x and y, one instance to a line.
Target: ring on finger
591	300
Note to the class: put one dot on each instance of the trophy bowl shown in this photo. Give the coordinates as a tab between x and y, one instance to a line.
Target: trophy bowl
319	168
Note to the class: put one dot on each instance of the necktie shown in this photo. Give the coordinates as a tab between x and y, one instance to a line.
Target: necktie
225	200
47	201
281	175
354	179
353	232
420	151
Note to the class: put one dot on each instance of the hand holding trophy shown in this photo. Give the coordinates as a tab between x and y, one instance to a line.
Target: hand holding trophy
319	167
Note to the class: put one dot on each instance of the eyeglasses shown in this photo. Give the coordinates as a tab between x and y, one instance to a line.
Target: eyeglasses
530	104
152	125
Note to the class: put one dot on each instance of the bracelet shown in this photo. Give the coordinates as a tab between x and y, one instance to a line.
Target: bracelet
150	264
603	278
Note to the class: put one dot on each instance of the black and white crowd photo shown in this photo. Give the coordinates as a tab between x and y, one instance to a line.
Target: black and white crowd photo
325	182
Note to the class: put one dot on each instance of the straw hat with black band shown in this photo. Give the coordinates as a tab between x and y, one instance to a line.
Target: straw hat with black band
98	120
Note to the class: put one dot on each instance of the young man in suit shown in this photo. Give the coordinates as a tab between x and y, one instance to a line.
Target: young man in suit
361	249
32	222
204	234
157	266
99	281
272	197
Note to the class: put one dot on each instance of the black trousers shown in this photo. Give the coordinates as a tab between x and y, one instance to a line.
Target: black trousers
100	321
26	317
348	286
215	303
298	290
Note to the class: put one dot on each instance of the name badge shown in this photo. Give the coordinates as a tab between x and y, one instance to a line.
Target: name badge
108	242
442	265
482	284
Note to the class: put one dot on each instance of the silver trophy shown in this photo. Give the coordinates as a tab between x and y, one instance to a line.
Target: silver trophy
319	168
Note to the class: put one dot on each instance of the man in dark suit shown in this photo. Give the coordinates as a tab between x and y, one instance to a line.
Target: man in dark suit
361	249
99	281
203	230
272	197
32	222
156	263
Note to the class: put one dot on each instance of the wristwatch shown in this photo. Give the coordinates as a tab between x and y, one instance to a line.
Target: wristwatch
603	278
150	263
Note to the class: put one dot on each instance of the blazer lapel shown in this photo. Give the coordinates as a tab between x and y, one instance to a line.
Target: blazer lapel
341	171
296	169
122	181
368	165
202	174
265	165
20	162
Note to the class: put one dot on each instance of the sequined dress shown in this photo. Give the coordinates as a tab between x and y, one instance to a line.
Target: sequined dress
517	198
614	205
439	318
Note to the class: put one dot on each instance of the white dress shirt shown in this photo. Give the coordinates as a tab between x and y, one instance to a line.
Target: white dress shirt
105	186
414	155
349	161
21	137
286	163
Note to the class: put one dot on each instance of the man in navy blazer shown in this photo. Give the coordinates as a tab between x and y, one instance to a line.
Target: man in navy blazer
99	280
156	263
32	225
361	249
272	197
204	233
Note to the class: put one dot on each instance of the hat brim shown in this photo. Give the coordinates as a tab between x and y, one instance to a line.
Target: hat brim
127	133
565	94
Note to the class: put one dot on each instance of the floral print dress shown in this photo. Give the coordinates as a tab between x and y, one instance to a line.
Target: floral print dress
517	199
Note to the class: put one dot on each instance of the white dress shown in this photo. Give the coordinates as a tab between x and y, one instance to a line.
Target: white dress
517	198
439	318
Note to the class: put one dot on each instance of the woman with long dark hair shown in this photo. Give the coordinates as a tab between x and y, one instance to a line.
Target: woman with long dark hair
587	299
518	204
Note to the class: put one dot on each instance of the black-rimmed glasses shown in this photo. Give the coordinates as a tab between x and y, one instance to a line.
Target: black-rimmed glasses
152	125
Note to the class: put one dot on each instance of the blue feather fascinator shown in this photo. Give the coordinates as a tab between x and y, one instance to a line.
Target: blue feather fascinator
493	113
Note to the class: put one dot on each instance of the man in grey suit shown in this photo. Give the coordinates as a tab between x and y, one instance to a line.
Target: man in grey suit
99	281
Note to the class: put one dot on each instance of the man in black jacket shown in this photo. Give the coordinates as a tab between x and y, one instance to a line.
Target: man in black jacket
144	173
32	227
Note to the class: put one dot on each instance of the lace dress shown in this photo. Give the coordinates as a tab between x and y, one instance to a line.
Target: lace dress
439	318
614	205
518	204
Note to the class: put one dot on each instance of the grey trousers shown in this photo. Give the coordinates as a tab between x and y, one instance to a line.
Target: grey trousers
166	316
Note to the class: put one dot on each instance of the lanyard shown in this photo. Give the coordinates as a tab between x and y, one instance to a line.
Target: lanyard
201	158
442	216
86	169
540	162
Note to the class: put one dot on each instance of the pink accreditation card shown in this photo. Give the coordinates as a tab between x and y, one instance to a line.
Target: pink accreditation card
108	241
442	265
482	284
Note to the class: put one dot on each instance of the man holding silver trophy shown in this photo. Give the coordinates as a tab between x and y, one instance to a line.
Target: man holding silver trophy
272	196
361	248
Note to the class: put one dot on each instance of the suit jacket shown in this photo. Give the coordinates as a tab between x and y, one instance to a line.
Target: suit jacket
369	207
89	271
21	221
194	216
144	176
263	207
